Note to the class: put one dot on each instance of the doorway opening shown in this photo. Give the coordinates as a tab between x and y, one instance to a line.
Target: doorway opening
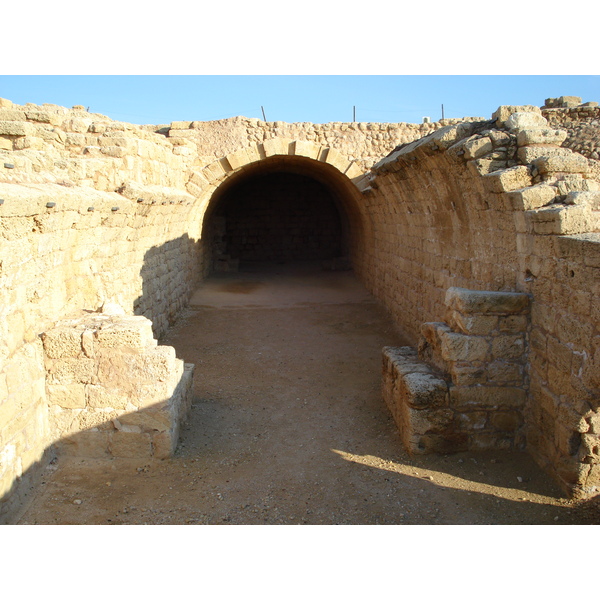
277	212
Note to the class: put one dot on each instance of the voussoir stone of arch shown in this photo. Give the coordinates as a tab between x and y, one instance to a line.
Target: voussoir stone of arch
336	159
308	149
214	171
243	157
354	171
238	159
277	146
198	179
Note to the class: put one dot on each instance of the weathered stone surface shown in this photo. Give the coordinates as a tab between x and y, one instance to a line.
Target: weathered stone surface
132	331
475	148
424	389
430	421
525	120
67	396
62	342
126	444
460	347
503	113
424	220
509	180
87	444
530	154
277	146
483	302
563	101
72	370
474	324
181	124
561	220
591	199
16	128
486	397
562	164
105	371
541	135
533	197
307	149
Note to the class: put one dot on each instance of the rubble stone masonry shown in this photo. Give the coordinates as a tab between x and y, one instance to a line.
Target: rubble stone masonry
96	213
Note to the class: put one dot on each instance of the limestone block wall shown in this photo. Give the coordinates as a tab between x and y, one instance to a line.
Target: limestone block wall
564	279
503	206
24	430
436	226
92	212
49	143
580	120
65	247
70	248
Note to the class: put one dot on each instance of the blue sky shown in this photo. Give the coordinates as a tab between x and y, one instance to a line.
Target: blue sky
154	99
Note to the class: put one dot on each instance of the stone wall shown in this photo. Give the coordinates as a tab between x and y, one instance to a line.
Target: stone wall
580	120
63	250
363	143
564	280
436	226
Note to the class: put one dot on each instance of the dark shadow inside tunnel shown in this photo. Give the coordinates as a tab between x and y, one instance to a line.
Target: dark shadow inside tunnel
280	217
278	212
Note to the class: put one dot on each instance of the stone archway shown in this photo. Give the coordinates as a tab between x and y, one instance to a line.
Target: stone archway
326	189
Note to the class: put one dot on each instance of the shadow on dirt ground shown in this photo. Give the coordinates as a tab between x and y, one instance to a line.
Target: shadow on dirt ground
288	427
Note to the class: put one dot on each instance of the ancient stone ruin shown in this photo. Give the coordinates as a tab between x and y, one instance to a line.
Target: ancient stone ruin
480	237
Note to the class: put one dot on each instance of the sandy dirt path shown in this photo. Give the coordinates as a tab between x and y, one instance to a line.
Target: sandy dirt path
288	427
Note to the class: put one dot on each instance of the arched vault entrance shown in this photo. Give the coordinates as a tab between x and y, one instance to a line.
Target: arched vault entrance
282	209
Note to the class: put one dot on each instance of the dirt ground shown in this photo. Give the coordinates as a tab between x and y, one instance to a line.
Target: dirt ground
288	426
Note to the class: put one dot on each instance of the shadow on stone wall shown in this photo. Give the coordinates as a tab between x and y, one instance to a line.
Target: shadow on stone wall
170	273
